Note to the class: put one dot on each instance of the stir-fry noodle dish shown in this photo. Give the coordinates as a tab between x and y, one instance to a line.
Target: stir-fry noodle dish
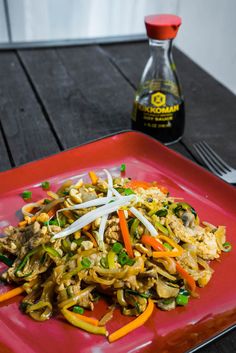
124	240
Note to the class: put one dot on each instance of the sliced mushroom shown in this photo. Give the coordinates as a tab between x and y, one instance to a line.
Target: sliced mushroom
165	291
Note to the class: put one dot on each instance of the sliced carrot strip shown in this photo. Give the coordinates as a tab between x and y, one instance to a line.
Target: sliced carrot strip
91	237
139	321
11	293
134	184
166	253
185	275
93	177
155	244
90	320
125	233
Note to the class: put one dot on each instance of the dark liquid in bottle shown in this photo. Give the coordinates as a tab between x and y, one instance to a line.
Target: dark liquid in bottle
160	115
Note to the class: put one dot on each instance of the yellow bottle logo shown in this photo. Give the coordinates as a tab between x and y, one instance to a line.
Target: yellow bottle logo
158	99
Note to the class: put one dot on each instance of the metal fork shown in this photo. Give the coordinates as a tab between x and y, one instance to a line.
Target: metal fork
215	163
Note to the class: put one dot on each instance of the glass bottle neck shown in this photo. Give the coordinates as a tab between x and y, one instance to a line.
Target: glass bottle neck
160	47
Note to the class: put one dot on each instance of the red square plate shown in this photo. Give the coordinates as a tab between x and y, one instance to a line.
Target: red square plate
176	331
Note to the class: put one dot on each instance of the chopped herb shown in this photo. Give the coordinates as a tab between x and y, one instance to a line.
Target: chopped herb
45	185
134	292
85	262
23	306
96	297
123	167
78	310
117	247
128	191
167	301
184	291
227	246
65	193
6	260
182	299
137	307
26	195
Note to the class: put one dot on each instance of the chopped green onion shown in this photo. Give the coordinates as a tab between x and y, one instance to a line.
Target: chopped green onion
51	251
130	262
162	213
160	227
47	201
78	310
227	246
53	222
123	167
85	262
26	195
123	258
168	246
182	299
117	247
45	185
128	191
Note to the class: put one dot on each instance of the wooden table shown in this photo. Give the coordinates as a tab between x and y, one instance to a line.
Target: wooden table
54	99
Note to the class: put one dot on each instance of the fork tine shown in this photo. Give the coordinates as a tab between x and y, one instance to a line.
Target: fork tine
221	163
206	160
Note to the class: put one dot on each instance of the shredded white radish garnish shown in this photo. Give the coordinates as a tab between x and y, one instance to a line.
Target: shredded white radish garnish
102	226
95	202
94	214
139	215
152	230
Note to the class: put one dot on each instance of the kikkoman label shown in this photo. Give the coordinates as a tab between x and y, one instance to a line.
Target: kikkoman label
158	110
158	99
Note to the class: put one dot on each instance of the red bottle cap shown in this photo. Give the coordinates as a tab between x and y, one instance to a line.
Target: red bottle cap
162	26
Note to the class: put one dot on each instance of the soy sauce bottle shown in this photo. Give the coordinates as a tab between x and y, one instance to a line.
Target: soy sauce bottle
159	105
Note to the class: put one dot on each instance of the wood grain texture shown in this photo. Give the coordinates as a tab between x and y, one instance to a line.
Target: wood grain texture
4	157
84	95
210	107
24	125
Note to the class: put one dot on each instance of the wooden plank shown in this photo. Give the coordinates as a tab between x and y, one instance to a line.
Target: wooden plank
83	93
210	107
4	157
27	132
